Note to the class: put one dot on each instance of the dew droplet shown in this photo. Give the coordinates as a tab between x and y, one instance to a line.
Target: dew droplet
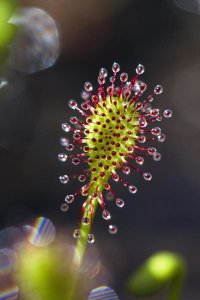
126	170
85	106
140	69
91	238
72	104
115	177
124	77
156	131
103	72
139	160
141	139
132	189
154	112
101	80
167	113
159	118
62	157
77	135
88	86
66	127
158	89
73	120
82	178
77	233
64	179
119	202
85	221
157	156
112	79
64	141
161	138
112	229
64	207
147	176
106	215
115	67
109	90
150	98
76	161
84	95
142	122
70	147
151	150
69	198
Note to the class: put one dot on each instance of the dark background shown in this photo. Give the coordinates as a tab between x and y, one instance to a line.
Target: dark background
165	214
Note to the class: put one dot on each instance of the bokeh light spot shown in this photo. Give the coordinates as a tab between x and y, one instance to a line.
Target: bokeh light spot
42	233
103	293
37	44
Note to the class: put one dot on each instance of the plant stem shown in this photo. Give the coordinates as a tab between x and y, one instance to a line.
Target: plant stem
78	256
176	285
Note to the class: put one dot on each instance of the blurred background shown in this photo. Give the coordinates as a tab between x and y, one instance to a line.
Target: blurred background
61	45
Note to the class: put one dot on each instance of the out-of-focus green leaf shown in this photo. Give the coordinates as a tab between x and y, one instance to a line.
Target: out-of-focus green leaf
159	270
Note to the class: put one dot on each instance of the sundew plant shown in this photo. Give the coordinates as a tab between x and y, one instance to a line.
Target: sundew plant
110	135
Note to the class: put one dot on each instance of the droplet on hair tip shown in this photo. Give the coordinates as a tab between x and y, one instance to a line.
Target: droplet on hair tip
64	179
140	69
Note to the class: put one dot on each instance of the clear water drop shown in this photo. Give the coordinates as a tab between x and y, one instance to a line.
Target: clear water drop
158	89
124	77
157	156
76	161
84	95
161	138
64	141
126	170
141	139
154	112
85	221
69	198
112	79
66	127
73	120
64	179
91	238
139	160
167	113
81	178
147	176
103	72
62	157
88	86
64	207
156	131
106	215
151	150
140	69
77	135
77	233
72	104
132	189
115	177
119	202
70	147
142	122
112	229
115	67
150	98
101	80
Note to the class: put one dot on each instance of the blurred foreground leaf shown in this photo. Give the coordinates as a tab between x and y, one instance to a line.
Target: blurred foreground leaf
7	31
158	271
